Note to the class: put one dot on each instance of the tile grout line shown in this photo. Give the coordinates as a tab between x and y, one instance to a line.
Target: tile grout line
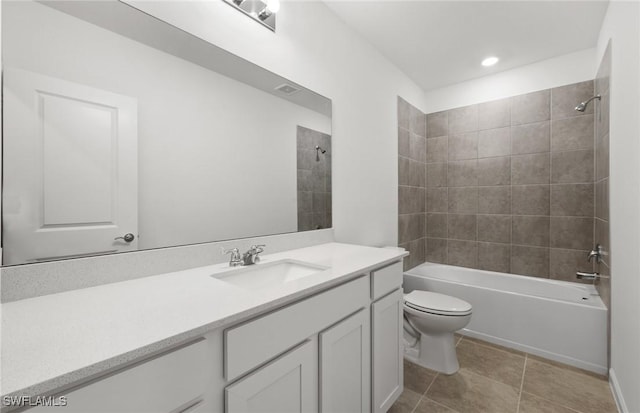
473	373
422	396
524	369
492	346
440	404
554	403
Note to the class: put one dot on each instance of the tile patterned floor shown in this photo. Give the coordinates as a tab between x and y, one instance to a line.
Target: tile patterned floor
494	379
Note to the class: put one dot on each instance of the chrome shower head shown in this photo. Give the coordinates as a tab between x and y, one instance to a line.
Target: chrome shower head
318	150
583	105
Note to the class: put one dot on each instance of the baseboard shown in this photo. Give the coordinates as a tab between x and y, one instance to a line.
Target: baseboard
617	393
581	364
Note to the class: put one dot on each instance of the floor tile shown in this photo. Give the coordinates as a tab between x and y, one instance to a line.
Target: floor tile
417	378
470	393
499	347
406	402
567	367
491	362
568	387
533	404
429	406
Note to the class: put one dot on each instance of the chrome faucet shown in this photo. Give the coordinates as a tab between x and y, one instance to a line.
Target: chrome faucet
252	256
587	275
596	253
236	259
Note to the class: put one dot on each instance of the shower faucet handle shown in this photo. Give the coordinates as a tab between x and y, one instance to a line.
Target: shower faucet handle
596	253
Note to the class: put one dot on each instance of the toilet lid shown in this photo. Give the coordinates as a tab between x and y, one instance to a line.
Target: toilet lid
431	302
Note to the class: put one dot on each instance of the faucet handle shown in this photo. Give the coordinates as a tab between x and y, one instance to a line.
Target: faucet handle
258	248
596	253
232	251
235	259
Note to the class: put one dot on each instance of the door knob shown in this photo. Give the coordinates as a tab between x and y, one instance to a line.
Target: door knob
127	237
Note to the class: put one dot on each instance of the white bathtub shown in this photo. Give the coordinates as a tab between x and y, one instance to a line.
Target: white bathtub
558	320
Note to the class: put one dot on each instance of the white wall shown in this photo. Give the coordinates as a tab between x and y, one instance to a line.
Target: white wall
622	26
217	158
311	46
546	74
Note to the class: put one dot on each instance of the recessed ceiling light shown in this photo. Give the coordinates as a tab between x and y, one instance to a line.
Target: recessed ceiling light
490	61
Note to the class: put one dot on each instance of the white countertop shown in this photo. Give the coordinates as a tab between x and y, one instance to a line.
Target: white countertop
55	340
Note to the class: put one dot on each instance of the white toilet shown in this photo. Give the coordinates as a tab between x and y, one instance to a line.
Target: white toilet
430	321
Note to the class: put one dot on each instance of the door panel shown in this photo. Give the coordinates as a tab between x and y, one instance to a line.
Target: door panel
70	169
344	366
286	385
387	366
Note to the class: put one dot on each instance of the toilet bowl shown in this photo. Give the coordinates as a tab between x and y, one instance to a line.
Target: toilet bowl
430	321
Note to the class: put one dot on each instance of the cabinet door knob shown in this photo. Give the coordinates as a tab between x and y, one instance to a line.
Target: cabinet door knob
127	237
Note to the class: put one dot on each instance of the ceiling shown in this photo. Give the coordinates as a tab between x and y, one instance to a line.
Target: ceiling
437	43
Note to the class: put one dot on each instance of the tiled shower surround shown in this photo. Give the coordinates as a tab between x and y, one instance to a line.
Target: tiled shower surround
412	157
314	179
508	184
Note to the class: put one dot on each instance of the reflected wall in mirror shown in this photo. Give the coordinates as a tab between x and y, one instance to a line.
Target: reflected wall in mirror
314	179
122	132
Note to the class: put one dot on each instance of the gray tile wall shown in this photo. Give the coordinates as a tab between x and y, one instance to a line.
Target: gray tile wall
509	184
601	223
314	180
412	157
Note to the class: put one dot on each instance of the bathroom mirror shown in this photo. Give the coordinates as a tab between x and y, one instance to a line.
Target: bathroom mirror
122	133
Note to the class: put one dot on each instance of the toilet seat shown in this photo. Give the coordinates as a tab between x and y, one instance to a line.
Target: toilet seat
438	304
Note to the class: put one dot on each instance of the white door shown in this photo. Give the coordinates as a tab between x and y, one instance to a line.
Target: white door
345	366
387	351
288	384
70	169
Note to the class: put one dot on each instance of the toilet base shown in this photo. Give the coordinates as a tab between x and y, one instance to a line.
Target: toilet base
435	352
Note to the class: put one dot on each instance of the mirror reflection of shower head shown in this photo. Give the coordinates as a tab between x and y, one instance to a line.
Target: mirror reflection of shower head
318	150
583	105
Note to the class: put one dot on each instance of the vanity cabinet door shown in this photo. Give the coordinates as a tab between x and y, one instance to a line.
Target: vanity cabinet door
289	384
345	366
387	366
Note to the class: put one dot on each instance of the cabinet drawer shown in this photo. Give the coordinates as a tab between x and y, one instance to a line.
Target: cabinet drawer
385	280
257	341
174	382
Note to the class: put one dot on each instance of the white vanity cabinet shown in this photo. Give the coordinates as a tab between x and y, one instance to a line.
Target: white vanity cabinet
336	351
386	337
355	331
325	363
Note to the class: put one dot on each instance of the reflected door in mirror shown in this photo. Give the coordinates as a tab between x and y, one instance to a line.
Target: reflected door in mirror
70	169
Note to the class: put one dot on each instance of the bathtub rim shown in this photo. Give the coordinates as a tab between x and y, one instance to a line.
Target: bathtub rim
595	300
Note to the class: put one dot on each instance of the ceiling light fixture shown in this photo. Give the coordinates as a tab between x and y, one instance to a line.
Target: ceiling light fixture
262	11
272	6
490	61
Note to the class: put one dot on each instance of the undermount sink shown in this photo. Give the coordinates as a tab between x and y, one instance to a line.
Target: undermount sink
268	274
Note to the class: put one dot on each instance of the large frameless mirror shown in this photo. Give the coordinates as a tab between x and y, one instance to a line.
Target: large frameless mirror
121	133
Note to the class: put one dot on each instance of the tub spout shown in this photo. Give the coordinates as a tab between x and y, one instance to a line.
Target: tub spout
587	275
